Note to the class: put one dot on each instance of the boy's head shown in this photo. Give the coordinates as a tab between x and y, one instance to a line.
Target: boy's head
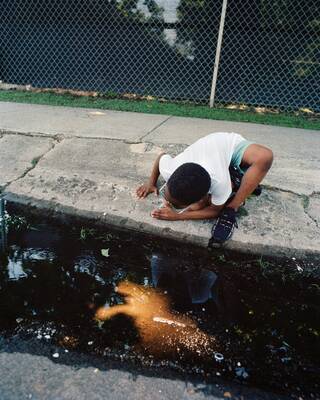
188	184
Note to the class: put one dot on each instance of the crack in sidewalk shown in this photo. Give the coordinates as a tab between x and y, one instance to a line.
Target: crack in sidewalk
277	189
313	220
306	205
34	162
155	128
61	136
57	136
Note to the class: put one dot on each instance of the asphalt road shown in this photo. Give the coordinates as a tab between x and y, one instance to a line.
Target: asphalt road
29	370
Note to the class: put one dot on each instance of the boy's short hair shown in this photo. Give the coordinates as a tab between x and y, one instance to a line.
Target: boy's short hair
189	183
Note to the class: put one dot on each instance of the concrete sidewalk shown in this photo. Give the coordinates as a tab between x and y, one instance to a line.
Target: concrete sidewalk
89	162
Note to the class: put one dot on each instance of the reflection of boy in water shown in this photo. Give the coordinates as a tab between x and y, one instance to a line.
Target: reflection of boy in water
186	286
200	288
163	331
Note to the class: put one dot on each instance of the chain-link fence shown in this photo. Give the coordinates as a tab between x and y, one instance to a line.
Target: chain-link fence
270	54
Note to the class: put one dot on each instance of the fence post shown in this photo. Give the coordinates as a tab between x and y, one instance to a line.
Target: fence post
3	228
218	51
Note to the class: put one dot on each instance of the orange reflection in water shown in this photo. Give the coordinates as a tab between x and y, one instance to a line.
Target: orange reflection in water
162	331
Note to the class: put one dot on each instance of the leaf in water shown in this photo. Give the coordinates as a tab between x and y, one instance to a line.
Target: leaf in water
83	234
33	228
105	252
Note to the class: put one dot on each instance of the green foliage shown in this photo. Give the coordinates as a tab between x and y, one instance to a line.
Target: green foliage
287	14
87	10
91	233
129	9
265	266
86	233
155	11
160	107
110	95
305	201
16	223
305	65
35	161
196	18
242	212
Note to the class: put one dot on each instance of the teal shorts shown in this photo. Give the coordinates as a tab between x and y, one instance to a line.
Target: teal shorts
238	154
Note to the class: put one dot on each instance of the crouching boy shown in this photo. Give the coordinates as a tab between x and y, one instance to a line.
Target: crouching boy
209	179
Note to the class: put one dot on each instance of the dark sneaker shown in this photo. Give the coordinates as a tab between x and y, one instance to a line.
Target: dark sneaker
224	226
236	176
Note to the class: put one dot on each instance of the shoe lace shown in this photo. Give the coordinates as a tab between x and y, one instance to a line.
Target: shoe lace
227	221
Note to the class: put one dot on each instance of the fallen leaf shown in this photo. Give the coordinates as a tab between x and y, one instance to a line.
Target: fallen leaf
97	113
306	110
105	252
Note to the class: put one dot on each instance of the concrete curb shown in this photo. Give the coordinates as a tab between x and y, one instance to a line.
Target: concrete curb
67	214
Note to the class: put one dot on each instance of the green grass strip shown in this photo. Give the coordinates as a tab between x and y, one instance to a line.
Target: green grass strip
157	107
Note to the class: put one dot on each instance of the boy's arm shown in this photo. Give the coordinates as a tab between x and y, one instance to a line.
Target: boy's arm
151	185
260	159
167	213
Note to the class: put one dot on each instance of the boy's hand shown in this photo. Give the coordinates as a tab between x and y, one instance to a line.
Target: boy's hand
146	189
166	213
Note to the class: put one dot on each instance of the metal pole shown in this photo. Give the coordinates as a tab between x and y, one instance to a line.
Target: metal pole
218	51
3	230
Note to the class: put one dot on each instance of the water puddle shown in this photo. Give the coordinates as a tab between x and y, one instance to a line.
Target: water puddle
143	301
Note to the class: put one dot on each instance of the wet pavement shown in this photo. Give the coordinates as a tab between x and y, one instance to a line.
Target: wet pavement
157	306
